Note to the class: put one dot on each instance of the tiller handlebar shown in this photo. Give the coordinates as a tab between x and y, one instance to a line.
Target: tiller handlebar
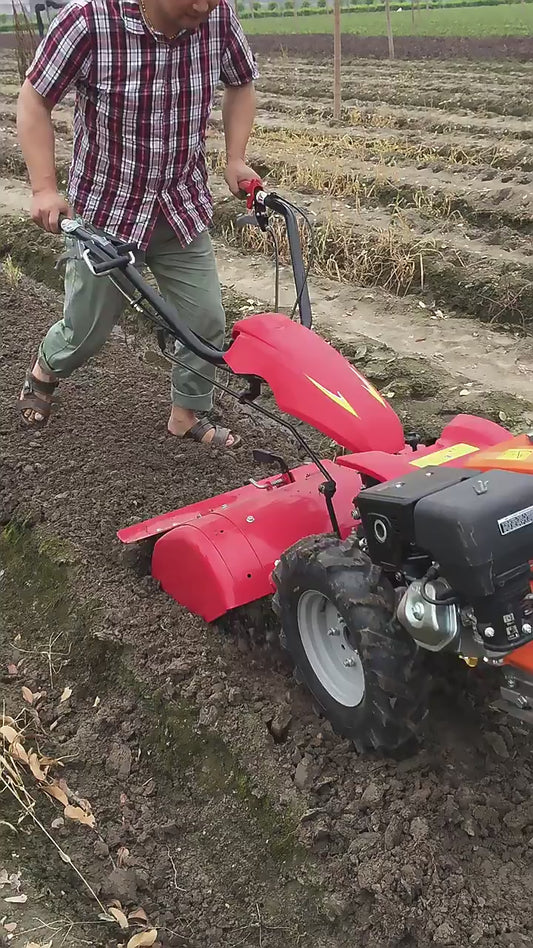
110	256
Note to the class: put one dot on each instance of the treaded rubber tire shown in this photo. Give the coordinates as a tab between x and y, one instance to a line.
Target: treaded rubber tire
394	704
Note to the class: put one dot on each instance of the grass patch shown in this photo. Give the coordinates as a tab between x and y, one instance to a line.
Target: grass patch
505	20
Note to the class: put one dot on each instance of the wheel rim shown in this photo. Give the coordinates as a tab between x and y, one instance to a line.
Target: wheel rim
332	657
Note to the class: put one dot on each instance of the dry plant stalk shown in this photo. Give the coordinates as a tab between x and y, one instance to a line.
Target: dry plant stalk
12	755
313	177
388	257
25	39
391	149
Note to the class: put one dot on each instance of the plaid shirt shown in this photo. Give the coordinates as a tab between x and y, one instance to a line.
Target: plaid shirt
142	107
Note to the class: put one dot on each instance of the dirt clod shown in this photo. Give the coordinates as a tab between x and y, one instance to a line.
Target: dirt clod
280	724
445	934
304	774
497	743
372	795
121	884
119	761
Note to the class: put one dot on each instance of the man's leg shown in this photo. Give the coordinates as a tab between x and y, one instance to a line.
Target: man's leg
91	309
188	278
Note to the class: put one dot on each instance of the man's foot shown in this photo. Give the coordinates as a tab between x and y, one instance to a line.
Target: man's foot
35	400
185	424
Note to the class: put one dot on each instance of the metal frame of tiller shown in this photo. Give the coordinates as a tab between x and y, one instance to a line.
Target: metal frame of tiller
108	256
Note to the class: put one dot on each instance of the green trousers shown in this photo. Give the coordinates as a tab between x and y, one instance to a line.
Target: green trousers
187	277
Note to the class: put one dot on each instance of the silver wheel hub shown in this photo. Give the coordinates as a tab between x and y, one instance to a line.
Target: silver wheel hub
334	660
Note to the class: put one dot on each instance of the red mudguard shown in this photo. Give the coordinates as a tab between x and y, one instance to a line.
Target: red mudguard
310	380
220	554
461	441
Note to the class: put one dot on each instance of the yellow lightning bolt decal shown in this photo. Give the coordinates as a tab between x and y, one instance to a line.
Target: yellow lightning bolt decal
337	398
369	387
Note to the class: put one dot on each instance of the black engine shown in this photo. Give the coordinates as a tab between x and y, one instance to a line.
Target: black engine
463	544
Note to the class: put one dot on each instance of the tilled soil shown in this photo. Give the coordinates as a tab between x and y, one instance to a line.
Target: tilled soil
317	45
223	805
492	48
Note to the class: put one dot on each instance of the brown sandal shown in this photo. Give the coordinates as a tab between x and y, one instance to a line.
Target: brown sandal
219	439
30	401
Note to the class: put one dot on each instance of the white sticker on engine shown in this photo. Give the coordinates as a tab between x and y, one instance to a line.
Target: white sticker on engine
515	521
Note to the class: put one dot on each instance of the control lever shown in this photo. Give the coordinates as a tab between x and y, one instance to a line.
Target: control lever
266	457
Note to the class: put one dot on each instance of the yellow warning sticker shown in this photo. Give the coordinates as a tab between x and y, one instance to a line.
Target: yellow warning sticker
445	455
513	454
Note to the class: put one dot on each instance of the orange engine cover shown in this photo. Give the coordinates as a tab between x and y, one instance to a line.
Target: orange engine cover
515	454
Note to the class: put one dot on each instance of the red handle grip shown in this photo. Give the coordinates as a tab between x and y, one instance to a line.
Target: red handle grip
250	188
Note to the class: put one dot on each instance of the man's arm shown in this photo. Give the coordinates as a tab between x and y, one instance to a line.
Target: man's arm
238	114
238	73
62	58
37	141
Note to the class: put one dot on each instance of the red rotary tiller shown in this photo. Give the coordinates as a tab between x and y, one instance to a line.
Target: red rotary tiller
393	551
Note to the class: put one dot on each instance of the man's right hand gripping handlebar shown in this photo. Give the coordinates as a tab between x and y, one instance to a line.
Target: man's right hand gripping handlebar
46	209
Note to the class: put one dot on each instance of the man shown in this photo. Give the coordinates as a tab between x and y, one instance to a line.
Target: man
144	72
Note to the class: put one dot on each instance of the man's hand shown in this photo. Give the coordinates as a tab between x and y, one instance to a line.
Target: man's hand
46	208
237	171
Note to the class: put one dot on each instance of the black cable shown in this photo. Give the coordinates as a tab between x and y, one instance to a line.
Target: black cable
276	264
310	255
450	601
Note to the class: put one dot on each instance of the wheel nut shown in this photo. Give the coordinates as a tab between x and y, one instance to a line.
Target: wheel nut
526	628
349	662
489	632
333	631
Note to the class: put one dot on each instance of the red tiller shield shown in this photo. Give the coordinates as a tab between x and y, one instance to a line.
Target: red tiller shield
311	381
214	559
461	442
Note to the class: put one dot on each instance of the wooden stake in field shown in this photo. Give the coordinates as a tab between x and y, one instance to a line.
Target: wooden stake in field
389	29
337	59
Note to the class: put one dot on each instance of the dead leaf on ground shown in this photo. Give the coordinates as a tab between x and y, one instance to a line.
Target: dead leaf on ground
50	762
10	926
10	734
65	694
19	899
139	915
143	939
76	813
39	944
19	753
57	793
12	670
27	694
120	917
36	768
122	856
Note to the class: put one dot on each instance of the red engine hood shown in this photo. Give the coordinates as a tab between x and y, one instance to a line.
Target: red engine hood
311	381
